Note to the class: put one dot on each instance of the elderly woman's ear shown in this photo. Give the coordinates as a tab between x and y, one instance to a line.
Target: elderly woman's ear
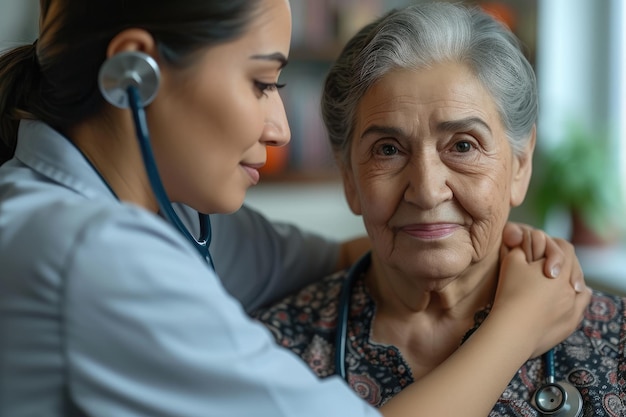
522	170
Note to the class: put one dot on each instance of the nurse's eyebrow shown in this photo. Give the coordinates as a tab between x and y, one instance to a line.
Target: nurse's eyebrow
276	56
463	125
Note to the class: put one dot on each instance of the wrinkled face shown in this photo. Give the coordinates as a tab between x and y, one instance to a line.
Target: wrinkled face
211	122
432	172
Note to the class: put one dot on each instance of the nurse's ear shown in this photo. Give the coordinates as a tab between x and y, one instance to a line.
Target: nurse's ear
130	62
522	170
133	40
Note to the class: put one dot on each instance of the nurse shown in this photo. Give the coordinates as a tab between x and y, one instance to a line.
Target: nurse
105	308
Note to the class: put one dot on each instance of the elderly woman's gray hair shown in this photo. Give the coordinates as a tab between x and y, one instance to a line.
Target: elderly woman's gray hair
420	36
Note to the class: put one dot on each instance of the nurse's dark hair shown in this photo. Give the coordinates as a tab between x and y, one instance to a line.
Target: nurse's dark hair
56	78
420	36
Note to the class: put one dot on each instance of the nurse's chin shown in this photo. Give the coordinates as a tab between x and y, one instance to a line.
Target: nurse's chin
225	206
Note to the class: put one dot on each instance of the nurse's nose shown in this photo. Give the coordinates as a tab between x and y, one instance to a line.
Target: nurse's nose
276	131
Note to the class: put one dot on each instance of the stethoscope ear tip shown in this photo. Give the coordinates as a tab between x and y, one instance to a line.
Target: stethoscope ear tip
127	69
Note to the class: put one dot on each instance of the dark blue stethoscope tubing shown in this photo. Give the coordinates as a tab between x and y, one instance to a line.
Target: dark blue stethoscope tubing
342	327
341	333
141	129
548	359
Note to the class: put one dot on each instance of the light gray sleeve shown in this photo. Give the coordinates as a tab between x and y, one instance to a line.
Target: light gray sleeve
260	261
152	332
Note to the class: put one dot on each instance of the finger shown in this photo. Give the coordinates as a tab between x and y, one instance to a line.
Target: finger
514	256
512	235
538	243
561	248
555	256
577	280
581	302
527	243
561	255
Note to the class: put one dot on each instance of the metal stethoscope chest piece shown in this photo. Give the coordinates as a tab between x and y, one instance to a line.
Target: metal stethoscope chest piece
558	399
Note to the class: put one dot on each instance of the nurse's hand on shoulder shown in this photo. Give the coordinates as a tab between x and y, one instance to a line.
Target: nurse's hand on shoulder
543	311
536	245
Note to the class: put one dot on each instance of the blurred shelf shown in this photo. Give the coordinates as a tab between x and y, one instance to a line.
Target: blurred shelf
324	53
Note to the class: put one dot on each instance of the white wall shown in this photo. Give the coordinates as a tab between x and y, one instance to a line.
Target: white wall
18	22
320	207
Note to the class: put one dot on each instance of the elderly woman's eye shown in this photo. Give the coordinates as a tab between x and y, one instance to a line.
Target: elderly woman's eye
463	146
388	150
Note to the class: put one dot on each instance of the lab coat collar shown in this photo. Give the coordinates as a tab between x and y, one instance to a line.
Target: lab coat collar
52	155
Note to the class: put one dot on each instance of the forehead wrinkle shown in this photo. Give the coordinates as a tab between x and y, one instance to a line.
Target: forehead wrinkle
389	103
383	130
463	124
378	122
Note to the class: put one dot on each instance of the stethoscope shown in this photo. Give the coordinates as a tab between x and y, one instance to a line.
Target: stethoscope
557	399
131	79
553	398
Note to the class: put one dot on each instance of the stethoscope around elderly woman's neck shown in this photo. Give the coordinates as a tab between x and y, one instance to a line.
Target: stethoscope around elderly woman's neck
131	79
557	399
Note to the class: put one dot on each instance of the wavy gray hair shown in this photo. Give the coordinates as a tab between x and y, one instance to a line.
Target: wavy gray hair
419	36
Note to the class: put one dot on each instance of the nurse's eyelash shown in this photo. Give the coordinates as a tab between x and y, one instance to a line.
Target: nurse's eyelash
265	87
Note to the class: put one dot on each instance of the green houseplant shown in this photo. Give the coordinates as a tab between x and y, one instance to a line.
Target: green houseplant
578	177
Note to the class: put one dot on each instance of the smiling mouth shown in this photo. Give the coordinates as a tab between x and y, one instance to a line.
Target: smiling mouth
430	231
253	172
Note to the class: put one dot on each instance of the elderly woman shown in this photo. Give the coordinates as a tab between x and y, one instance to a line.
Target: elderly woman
431	111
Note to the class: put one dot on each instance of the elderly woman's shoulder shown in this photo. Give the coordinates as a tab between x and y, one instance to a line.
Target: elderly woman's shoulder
605	306
604	322
307	308
305	322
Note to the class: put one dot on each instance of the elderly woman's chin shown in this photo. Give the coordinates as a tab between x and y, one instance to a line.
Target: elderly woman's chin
437	263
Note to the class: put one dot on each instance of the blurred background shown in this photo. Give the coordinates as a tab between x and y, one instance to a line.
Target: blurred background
578	49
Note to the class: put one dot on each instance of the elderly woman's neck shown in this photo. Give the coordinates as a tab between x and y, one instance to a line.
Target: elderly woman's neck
458	296
428	322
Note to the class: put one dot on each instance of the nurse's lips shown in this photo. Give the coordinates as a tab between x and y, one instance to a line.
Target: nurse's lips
430	230
253	171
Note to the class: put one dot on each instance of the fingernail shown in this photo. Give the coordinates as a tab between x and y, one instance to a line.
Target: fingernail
555	271
578	287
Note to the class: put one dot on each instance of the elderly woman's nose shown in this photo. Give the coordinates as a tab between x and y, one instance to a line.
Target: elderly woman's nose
427	183
276	131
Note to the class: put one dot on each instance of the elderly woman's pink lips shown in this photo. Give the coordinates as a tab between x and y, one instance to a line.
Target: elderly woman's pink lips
430	230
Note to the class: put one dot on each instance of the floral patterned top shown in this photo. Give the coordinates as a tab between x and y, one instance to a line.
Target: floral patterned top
592	358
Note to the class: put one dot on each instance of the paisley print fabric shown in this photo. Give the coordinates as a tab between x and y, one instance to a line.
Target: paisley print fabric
592	358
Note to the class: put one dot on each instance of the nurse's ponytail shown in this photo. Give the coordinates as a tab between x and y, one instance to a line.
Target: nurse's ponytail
19	84
55	80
